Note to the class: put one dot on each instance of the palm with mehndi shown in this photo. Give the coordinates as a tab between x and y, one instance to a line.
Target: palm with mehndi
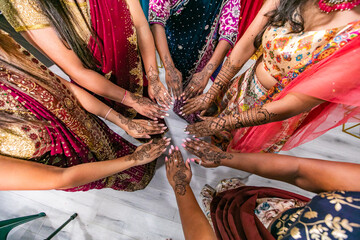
177	171
210	155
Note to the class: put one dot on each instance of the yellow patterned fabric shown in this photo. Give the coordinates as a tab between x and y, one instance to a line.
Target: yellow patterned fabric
284	50
26	15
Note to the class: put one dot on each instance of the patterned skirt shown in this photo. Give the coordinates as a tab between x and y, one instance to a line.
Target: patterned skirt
243	93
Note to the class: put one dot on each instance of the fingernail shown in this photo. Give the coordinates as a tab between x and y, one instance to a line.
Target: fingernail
181	108
167	115
170	151
156	122
197	139
193	160
188	139
177	149
188	160
166	159
172	147
183	140
187	133
164	138
183	114
162	117
172	103
183	145
162	125
180	113
164	128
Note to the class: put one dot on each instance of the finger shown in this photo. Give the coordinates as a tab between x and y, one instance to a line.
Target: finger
196	160
167	164
187	164
203	112
190	107
167	99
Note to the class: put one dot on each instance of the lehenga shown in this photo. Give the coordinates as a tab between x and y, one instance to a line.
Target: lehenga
242	212
118	54
290	58
55	130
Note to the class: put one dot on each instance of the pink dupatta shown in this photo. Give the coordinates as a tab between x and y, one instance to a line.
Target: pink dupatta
334	80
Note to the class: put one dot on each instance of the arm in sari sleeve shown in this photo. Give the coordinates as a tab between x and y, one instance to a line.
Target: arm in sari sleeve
229	21
24	15
159	11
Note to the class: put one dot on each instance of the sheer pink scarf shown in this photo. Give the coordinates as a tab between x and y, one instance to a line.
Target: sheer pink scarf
334	80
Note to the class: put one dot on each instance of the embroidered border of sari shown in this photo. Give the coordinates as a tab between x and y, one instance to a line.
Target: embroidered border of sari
322	76
76	135
233	216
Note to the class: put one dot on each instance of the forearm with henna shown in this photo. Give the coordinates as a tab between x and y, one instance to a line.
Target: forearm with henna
221	83
253	117
169	66
130	125
153	77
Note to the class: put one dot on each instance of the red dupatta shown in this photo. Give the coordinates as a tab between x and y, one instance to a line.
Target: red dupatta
334	80
119	54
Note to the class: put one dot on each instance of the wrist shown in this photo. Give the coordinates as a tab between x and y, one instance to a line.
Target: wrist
180	190
131	160
128	100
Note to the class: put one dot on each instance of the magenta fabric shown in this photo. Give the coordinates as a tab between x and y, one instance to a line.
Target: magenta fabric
116	47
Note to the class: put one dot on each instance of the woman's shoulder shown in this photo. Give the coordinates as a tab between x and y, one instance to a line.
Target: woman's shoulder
24	14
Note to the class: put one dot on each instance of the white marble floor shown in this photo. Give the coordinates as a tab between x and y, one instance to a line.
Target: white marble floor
150	213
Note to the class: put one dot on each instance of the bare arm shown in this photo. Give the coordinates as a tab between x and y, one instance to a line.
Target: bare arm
47	41
16	174
147	49
309	174
135	128
173	77
194	223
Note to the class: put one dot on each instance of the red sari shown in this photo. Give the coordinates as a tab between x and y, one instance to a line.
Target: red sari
117	50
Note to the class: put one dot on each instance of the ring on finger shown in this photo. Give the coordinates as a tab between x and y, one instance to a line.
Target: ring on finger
148	123
192	87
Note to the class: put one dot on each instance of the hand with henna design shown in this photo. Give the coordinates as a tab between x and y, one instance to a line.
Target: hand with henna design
138	128
198	83
147	108
178	173
210	156
150	151
156	89
208	127
200	103
173	78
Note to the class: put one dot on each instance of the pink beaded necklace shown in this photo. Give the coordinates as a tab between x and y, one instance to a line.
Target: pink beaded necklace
328	6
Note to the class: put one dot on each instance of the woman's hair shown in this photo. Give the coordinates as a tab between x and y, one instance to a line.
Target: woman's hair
64	23
288	11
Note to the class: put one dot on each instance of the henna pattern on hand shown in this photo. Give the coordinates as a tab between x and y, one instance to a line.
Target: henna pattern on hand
253	117
140	155
143	101
130	124
215	157
180	181
175	79
228	71
153	77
